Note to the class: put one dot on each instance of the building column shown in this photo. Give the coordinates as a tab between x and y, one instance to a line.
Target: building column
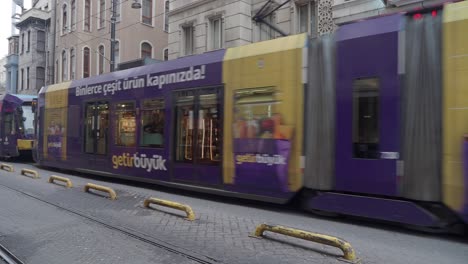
325	17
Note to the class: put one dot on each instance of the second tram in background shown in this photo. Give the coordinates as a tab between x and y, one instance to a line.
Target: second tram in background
17	125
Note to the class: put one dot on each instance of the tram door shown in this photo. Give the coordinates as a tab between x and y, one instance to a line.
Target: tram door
8	133
197	147
96	129
367	117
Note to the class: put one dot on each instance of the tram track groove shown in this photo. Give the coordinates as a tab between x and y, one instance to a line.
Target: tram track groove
9	257
135	234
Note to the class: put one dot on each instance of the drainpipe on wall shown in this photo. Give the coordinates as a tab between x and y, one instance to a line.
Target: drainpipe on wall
54	29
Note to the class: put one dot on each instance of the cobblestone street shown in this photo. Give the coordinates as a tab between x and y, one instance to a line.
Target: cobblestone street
220	232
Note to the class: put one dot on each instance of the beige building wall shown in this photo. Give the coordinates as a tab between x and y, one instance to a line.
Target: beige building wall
238	27
130	32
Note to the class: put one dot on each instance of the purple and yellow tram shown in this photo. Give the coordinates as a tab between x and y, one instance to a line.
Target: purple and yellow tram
369	121
17	125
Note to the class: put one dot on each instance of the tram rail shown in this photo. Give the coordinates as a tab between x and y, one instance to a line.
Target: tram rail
150	240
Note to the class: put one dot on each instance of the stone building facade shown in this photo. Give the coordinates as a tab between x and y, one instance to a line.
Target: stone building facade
197	26
83	35
33	45
3	75
12	64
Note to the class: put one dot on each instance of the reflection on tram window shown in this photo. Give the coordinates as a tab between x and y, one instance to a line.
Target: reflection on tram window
366	118
102	127
257	115
10	124
27	121
125	124
89	128
184	126
152	120
198	126
209	126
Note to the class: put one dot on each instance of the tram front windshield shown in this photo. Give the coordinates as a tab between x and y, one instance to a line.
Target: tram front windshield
27	124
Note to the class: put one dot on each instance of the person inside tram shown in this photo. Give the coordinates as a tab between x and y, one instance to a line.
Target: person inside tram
155	124
153	129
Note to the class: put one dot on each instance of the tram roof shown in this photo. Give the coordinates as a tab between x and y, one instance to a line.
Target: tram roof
11	98
25	97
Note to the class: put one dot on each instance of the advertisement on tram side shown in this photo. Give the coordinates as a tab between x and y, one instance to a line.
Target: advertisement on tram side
55	122
262	145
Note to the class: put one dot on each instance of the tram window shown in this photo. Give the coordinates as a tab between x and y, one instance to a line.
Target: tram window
366	118
10	124
257	115
184	110
152	120
96	127
89	128
28	118
209	129
102	127
125	134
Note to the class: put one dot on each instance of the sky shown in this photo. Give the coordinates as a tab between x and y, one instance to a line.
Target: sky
5	22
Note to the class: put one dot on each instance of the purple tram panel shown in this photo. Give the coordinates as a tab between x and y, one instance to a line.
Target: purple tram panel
367	116
107	115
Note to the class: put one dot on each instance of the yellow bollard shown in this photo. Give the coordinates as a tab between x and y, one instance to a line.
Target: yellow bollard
4	166
108	190
187	209
348	251
62	179
30	173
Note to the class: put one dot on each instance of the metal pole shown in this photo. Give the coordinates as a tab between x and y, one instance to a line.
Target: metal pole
112	51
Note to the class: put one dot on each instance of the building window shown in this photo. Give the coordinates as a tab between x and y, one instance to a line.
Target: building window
27	78
73	15
265	31
102	13
366	118
118	11
117	53
152	118
166	54
40	40
64	19
13	48
306	18
64	65
216	33
56	71
101	59
40	77
87	16
72	64
188	40
125	127
147	12
22	79
146	50
29	41
22	43
166	16
86	61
